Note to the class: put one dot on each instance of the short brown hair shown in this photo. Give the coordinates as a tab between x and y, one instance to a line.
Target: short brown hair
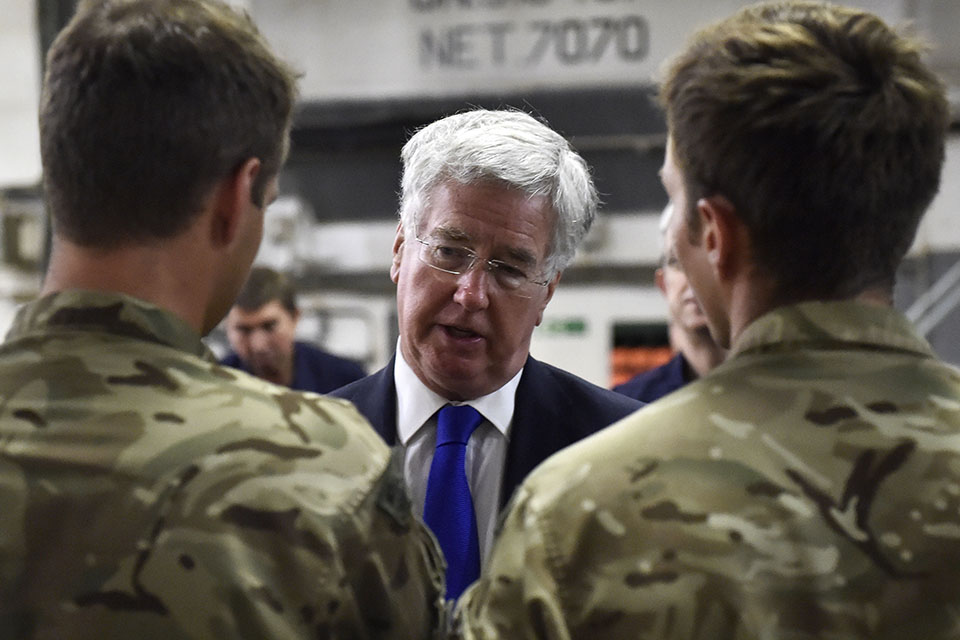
145	105
825	130
264	285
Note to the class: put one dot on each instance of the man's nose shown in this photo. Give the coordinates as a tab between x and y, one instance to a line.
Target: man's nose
473	288
259	340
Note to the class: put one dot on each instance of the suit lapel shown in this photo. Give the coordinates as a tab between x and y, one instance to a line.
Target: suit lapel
536	430
376	398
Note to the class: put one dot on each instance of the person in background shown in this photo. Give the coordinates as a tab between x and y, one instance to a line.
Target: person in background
145	490
809	486
493	207
261	328
696	351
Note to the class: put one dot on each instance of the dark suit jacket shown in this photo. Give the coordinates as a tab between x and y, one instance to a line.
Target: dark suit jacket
313	368
655	383
553	410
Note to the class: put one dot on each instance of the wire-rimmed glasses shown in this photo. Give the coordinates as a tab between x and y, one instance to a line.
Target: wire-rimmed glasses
458	260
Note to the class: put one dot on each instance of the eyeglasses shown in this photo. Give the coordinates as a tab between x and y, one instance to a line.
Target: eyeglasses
457	261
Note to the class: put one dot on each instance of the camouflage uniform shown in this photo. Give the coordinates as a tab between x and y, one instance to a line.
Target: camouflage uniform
807	488
147	492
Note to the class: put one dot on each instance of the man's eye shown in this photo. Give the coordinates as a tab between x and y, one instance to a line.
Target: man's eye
449	254
509	272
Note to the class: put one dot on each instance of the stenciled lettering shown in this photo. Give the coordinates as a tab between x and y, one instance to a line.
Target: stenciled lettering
579	41
423	6
461	46
449	47
568	41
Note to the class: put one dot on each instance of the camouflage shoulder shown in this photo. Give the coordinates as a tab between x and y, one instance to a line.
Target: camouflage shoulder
313	417
107	312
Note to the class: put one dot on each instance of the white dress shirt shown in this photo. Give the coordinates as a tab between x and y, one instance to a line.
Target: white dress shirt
417	406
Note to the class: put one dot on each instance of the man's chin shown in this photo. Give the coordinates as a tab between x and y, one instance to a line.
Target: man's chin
702	330
459	382
267	373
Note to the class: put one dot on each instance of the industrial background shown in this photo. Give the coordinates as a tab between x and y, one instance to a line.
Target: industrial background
375	70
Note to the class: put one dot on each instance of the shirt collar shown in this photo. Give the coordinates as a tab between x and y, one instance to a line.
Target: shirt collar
416	403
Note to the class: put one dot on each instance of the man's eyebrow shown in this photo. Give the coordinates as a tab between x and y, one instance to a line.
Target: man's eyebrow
447	233
517	254
522	255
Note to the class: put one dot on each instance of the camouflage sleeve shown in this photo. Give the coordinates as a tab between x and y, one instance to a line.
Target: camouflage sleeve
269	550
517	596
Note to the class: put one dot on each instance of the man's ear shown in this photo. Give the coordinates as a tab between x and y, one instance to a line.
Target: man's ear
398	241
232	197
551	287
721	234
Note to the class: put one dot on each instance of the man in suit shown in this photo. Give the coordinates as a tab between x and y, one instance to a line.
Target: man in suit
493	206
809	486
261	328
696	351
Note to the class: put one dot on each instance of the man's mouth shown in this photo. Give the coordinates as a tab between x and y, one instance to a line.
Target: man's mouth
266	370
459	333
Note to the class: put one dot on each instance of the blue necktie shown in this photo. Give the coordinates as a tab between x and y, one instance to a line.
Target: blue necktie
448	508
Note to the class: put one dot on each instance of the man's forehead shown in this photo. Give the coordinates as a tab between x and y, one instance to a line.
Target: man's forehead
670	238
268	312
466	212
669	169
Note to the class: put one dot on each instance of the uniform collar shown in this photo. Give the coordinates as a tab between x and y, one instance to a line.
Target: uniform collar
107	312
831	324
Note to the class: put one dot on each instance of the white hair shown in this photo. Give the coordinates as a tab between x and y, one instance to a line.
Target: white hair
509	147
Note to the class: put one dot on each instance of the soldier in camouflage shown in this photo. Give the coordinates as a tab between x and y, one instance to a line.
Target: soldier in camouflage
809	487
145	490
